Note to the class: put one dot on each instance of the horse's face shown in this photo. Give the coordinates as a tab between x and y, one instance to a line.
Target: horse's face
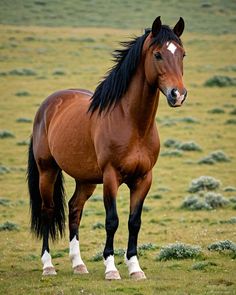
164	65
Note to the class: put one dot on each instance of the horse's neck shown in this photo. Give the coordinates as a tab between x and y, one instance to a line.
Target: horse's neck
140	103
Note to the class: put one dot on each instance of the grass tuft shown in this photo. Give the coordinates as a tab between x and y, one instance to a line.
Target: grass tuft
24	120
230	122
9	226
216	111
179	251
202	265
4	169
206	201
6	134
214	157
23	72
22	93
172	153
220	81
207	183
5	202
221	246
98	225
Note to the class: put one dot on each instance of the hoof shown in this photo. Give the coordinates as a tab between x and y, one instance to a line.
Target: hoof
112	275
139	275
80	269
49	271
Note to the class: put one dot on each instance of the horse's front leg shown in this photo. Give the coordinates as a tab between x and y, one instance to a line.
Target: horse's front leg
138	192
110	187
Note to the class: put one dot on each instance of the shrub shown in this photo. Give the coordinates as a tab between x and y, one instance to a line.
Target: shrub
24	120
171	143
97	198
185	146
179	251
204	183
230	122
207	201
155	196
220	81
9	226
214	157
229	221
6	134
233	112
23	72
23	142
216	111
97	257
98	225
222	246
5	202
202	265
22	93
59	72
188	120
189	146
230	189
4	169
171	153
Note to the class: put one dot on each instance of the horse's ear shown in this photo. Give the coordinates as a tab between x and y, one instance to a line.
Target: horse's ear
179	27
156	26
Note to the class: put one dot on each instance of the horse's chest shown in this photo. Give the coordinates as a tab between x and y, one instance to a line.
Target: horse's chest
136	162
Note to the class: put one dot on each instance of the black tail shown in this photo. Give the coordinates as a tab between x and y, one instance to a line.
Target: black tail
57	225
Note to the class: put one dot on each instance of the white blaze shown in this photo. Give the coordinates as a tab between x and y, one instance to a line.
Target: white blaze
171	47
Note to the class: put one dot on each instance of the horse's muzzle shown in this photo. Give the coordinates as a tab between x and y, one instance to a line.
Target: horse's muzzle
174	98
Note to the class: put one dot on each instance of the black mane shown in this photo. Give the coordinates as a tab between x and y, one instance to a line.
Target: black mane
110	91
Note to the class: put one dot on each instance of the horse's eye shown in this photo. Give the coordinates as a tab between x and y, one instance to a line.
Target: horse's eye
158	55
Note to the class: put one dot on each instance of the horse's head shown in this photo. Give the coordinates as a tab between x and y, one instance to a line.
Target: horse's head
164	61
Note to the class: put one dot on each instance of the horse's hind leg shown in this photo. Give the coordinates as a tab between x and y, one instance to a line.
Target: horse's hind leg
76	205
47	179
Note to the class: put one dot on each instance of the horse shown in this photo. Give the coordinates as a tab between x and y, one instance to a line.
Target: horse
107	137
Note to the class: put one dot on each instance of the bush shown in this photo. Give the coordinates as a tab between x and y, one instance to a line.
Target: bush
23	142
233	112
230	122
98	225
216	111
229	221
6	134
4	169
9	226
230	189
22	93
207	201
23	72
204	183
189	146
202	265
214	157
179	251
97	198
185	146
222	246
172	153
5	202
220	81
24	120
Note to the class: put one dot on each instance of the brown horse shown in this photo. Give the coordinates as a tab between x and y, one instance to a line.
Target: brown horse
108	137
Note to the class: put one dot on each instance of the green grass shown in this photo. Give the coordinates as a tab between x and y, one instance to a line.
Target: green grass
33	44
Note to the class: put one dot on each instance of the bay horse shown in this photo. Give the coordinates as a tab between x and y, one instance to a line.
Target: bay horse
108	137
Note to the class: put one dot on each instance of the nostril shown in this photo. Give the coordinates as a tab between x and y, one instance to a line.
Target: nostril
174	92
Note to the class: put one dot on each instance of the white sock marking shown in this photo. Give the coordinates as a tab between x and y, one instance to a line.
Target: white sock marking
46	260
171	47
133	264
75	253
110	264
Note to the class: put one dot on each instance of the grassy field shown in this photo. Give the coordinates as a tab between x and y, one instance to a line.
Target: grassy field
40	54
